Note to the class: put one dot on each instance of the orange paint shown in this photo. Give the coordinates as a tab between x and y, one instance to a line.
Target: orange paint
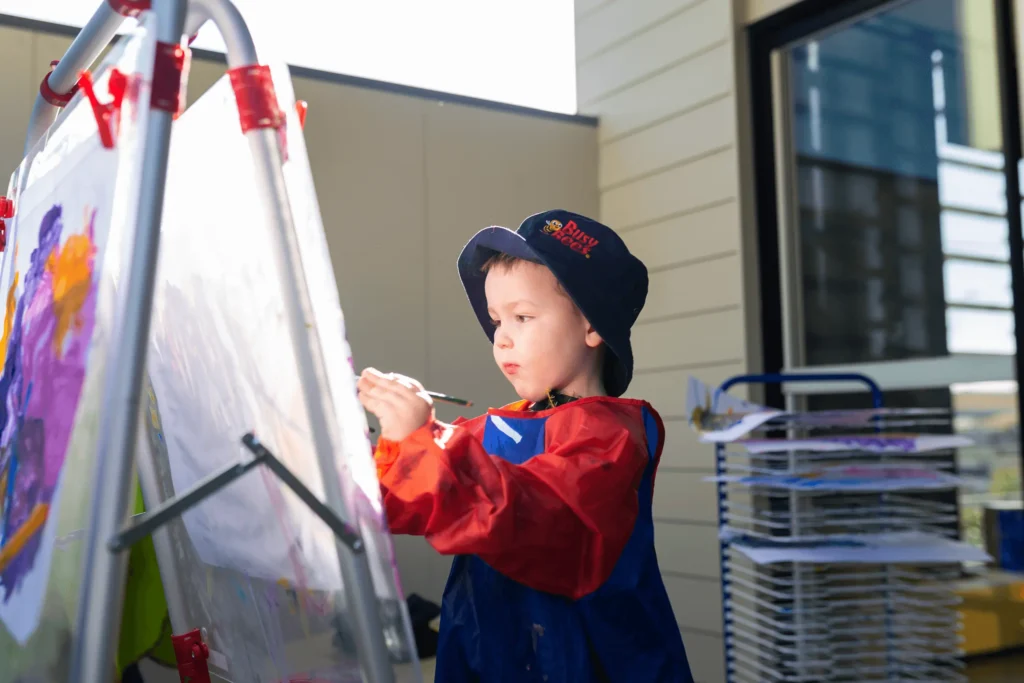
8	318
20	537
71	269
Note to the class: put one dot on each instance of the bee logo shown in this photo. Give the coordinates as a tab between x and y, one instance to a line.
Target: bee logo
571	236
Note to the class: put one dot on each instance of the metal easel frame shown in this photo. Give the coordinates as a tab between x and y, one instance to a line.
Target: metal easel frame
102	591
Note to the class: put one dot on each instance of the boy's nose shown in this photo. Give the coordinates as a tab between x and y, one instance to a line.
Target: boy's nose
502	340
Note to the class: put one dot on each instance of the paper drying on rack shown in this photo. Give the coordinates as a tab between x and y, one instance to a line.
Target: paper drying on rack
720	418
882	443
890	548
717	416
876	477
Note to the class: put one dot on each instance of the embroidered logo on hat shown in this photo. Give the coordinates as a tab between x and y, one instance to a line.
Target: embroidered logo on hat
571	235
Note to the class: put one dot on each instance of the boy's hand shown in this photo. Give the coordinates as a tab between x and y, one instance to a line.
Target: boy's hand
399	402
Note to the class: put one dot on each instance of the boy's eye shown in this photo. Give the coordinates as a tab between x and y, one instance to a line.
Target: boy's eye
495	323
523	318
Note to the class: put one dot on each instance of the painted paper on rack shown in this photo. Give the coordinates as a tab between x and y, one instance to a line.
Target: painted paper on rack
885	548
867	478
718	417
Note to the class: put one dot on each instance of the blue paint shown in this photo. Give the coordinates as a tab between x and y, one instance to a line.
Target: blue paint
13	469
12	473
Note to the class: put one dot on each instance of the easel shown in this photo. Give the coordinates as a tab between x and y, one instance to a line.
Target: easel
108	530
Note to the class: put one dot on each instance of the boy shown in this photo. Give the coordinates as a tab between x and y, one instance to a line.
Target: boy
546	502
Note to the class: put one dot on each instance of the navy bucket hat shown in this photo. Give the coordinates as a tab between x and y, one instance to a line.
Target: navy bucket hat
590	261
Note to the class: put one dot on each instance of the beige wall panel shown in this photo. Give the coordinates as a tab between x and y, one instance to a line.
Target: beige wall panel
696	602
694	30
687	549
698	132
683	496
706	653
20	82
665	94
617	21
202	74
683	452
690	289
700	339
366	149
704	182
705	233
46	47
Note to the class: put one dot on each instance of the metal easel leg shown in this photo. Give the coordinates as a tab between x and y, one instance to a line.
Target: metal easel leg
102	591
163	543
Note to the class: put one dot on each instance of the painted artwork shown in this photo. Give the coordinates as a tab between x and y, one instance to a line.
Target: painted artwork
73	199
45	344
222	363
51	291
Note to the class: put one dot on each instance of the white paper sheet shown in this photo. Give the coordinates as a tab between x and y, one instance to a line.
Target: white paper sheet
849	478
73	200
902	548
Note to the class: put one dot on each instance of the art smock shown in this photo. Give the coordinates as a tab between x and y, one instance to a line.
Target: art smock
549	515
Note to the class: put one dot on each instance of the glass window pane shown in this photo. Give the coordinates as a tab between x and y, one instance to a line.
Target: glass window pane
973	189
902	243
973	331
978	284
987	412
974	236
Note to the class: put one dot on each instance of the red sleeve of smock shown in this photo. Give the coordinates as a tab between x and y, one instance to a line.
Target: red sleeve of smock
557	523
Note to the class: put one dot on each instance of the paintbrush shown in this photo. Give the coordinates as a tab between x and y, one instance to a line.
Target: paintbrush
443	398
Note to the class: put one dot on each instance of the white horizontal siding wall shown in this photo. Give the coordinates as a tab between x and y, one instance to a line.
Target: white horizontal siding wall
661	76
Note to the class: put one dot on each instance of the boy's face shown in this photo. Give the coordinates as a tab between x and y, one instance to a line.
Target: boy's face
541	339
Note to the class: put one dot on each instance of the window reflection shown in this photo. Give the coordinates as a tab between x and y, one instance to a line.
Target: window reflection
903	234
901	237
987	411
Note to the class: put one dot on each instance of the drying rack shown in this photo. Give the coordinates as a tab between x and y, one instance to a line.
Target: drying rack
828	611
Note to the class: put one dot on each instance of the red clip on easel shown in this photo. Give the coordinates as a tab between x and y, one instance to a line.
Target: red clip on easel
6	211
191	654
105	113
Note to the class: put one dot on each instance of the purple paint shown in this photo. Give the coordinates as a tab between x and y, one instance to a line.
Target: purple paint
42	386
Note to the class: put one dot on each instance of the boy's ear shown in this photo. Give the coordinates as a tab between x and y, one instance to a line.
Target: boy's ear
593	339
